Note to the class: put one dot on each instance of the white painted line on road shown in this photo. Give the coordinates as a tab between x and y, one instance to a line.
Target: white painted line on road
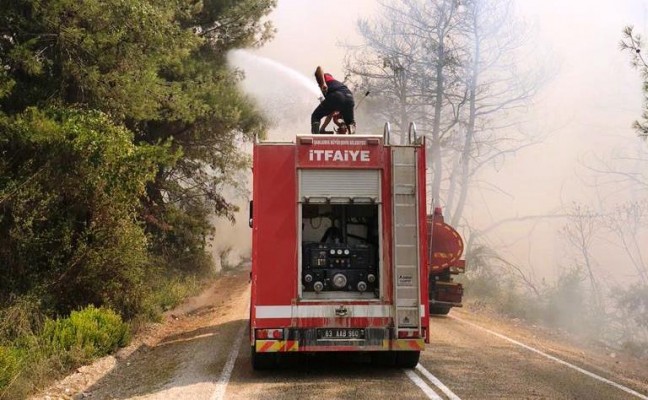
558	360
436	382
224	378
429	392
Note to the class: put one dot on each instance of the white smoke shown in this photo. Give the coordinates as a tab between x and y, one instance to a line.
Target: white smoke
285	96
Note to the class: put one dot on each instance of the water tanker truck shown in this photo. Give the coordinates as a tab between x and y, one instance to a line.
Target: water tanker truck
445	248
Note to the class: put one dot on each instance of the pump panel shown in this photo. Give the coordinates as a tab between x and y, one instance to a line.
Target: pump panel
339	267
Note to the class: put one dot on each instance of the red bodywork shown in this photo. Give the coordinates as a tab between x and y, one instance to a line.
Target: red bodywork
275	276
445	250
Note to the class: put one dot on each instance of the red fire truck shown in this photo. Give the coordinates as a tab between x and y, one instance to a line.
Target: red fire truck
339	259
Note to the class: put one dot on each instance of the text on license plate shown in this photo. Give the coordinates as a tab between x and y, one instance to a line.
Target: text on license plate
340	333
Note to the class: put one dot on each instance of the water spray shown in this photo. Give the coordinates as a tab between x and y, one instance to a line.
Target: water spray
296	76
362	99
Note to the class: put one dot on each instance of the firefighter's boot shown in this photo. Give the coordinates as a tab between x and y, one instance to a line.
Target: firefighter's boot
315	128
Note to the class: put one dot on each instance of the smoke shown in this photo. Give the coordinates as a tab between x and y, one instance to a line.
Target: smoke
585	113
285	96
232	241
269	71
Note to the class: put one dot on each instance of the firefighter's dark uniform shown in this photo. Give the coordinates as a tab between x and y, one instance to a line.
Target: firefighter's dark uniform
338	97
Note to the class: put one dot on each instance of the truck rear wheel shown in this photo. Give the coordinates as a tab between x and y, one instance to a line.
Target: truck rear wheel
407	359
383	358
439	310
262	361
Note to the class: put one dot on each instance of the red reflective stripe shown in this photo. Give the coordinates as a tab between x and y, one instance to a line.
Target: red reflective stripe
266	346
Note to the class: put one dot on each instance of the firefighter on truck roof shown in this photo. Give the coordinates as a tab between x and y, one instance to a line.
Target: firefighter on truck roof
337	98
339	126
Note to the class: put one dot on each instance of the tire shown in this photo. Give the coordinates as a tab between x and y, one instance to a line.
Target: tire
407	359
261	361
384	359
439	310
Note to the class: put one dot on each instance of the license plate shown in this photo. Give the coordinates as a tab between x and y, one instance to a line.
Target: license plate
340	333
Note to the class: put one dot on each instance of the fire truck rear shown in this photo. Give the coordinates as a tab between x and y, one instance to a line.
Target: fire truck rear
339	259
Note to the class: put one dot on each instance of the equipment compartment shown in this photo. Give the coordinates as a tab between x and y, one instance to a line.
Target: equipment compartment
340	251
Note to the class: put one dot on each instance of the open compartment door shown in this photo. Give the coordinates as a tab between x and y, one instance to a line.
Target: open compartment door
340	238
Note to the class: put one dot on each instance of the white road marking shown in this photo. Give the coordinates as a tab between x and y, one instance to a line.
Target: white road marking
225	375
436	382
558	360
429	392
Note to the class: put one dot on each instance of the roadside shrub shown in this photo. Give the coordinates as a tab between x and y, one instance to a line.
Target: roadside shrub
514	302
22	317
631	318
566	306
167	291
174	290
30	361
635	300
91	332
11	360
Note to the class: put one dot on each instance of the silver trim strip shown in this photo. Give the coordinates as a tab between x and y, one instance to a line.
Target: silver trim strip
323	311
318	311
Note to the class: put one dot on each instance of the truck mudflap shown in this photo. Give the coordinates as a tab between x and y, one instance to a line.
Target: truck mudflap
316	340
447	293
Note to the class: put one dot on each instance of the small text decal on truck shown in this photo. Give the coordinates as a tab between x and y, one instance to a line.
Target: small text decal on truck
339	155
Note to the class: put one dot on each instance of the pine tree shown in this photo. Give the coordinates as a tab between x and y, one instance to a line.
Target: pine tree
153	70
632	43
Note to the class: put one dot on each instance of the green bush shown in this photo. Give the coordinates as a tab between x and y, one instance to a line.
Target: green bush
71	185
86	334
174	290
62	344
21	318
566	303
167	291
11	360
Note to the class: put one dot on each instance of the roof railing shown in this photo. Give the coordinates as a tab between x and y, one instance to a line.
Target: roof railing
387	133
412	134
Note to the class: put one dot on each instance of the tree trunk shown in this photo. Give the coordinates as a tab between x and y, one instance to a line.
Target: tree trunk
470	131
435	147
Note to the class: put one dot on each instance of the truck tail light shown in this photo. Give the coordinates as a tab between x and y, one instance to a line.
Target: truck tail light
457	270
408	334
269	334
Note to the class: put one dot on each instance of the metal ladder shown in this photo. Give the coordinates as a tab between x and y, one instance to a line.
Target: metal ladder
406	238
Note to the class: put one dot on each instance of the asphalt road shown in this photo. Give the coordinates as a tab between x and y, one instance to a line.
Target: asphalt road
201	353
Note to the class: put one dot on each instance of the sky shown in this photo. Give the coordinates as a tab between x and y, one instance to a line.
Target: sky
585	112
